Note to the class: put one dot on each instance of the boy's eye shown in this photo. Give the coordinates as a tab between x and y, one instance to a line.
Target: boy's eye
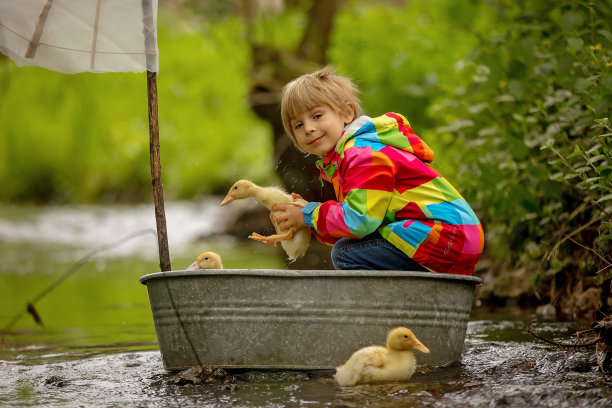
297	126
317	115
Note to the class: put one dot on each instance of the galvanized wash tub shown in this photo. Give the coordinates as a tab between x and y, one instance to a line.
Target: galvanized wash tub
310	319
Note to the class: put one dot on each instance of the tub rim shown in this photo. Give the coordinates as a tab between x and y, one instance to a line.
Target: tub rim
314	273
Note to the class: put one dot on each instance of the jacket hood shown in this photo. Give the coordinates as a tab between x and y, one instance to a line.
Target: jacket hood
391	129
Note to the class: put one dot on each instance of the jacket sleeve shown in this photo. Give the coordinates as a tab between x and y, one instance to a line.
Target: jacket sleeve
366	181
322	238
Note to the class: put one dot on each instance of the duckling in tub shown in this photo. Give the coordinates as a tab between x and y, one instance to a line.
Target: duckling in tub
206	260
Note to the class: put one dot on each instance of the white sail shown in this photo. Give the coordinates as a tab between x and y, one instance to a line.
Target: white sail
73	36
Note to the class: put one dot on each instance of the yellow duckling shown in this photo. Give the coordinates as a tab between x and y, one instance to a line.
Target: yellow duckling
392	363
295	243
206	260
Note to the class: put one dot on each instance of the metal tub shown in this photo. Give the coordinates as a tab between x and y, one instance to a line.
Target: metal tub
311	319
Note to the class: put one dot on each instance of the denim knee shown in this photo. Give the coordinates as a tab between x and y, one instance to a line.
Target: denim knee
371	253
350	253
336	252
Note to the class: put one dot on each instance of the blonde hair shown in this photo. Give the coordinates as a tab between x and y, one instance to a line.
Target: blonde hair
322	87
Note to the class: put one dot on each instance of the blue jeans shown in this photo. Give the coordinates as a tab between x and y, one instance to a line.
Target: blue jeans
371	252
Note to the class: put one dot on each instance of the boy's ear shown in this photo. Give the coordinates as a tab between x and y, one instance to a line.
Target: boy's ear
349	113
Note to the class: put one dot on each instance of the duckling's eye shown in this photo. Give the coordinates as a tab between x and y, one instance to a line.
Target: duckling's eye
235	187
405	336
206	259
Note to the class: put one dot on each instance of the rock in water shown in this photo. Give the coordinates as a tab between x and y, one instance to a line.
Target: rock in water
201	375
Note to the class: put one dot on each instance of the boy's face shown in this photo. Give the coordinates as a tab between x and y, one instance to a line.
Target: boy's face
318	130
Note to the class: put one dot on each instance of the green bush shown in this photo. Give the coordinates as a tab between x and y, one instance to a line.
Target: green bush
531	113
402	57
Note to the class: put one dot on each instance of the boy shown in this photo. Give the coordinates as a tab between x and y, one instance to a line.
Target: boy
393	211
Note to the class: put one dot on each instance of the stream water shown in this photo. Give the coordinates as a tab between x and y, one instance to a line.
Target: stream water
96	346
501	366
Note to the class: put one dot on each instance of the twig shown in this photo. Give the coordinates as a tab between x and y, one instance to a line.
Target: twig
588	248
30	305
561	345
558	244
604	268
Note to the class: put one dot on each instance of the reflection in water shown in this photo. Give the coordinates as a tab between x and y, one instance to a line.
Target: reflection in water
492	373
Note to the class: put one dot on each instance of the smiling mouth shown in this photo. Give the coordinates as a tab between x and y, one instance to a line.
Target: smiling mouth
315	141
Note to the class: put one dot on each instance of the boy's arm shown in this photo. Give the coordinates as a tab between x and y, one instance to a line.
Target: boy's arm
289	216
367	182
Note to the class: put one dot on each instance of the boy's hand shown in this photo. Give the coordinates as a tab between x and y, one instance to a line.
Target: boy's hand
298	200
289	216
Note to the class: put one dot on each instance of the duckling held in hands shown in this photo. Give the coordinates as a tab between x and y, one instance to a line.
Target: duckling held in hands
392	363
206	260
294	242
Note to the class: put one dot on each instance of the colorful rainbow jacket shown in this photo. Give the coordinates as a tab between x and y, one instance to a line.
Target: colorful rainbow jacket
382	182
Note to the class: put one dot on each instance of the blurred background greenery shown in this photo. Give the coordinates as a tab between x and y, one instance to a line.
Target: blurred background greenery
515	100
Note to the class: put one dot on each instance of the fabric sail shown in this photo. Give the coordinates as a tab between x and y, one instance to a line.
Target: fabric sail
72	36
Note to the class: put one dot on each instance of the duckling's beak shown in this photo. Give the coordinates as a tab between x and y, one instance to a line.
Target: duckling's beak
420	347
193	266
228	199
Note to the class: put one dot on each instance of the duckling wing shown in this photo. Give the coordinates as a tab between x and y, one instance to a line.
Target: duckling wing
271	196
397	366
375	357
298	245
358	367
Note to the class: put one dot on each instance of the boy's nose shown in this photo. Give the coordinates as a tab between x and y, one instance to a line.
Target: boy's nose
309	127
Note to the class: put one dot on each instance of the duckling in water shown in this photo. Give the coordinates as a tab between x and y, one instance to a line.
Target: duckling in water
206	260
295	243
392	363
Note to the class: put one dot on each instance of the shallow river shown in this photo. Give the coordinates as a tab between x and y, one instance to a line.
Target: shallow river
501	366
96	346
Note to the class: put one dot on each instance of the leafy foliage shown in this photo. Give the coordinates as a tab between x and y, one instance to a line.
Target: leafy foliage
532	114
402	57
84	137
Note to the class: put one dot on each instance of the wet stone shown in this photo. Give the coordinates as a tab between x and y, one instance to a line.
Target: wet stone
547	311
581	363
569	361
201	375
56	381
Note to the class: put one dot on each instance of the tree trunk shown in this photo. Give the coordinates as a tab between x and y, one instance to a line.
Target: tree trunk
271	69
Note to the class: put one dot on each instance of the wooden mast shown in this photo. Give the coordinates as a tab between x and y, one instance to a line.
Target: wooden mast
40	25
158	192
